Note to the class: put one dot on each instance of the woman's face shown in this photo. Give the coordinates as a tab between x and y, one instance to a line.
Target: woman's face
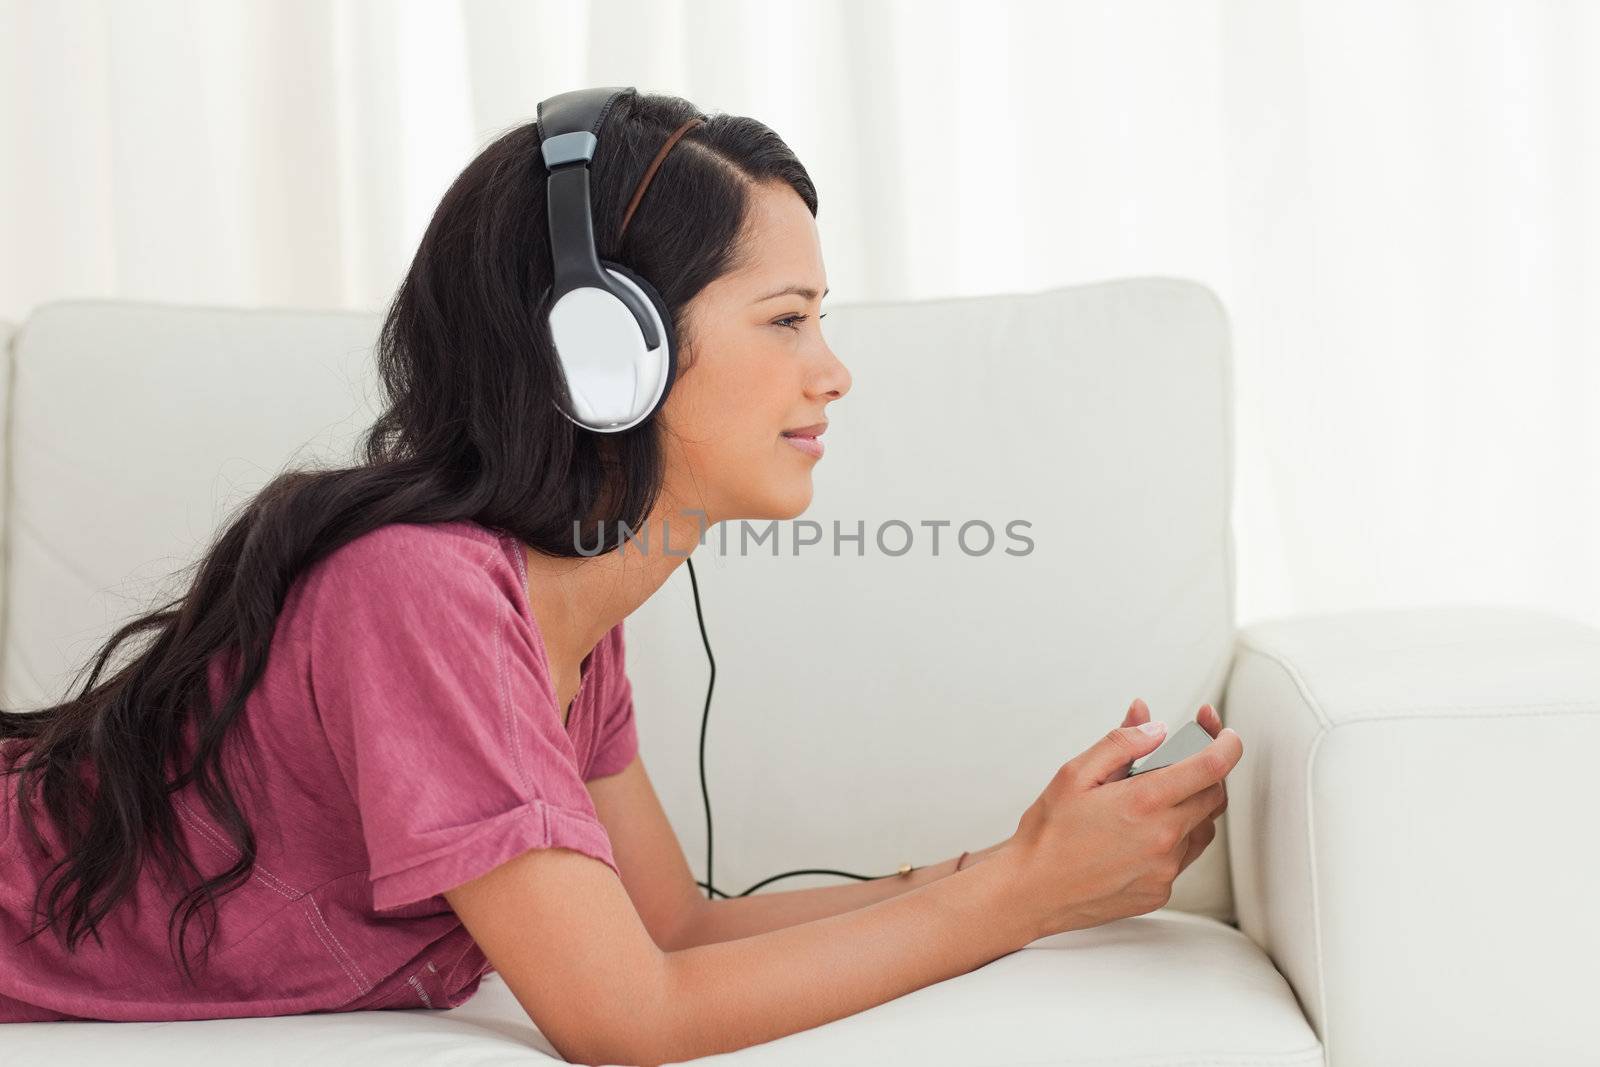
757	366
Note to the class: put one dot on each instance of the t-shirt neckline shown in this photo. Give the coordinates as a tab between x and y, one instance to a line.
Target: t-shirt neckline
585	669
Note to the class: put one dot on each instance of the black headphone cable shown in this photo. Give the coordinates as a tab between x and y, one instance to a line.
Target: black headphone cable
708	885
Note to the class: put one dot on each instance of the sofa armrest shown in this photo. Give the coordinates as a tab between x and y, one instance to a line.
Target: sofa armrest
1407	839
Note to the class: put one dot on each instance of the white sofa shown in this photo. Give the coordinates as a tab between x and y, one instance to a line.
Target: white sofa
1405	874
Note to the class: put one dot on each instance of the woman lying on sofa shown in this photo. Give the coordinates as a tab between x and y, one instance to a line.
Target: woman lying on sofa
384	743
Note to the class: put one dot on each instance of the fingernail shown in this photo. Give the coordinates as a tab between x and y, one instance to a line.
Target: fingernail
1155	727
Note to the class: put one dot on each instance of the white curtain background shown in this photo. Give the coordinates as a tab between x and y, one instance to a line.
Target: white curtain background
1394	198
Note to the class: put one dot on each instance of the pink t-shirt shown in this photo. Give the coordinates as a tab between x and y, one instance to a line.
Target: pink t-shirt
407	740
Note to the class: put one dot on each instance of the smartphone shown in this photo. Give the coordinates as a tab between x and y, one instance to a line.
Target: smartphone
1190	738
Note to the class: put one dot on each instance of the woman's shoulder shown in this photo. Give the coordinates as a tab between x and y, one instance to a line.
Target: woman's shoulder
461	542
414	565
426	549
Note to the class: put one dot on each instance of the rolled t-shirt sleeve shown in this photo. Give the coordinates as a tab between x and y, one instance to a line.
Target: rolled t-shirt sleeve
435	701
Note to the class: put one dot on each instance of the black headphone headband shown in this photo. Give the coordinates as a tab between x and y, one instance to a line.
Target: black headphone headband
569	127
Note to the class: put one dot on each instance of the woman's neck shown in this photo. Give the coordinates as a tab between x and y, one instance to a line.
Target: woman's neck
577	600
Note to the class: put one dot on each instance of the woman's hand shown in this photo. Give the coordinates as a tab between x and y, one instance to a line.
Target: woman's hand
1211	723
1199	838
1097	845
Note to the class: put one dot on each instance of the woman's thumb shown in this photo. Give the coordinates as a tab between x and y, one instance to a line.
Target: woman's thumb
1108	758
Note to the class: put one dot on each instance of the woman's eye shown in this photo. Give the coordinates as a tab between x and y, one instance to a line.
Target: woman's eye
797	320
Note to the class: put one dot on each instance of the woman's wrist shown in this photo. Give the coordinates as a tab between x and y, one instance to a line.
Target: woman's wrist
911	877
967	860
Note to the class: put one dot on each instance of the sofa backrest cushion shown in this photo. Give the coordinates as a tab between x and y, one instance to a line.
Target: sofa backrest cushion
883	703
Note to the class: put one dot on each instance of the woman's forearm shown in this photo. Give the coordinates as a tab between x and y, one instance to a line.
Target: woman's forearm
736	917
730	995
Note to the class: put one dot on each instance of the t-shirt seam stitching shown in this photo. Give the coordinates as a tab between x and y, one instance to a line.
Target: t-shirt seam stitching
450	979
312	896
339	957
266	877
601	731
501	539
495	544
342	955
310	643
505	688
546	837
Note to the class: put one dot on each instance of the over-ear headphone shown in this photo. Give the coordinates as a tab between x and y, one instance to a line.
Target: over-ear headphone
613	332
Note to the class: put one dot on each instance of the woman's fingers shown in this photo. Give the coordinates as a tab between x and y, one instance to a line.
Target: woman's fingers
1207	717
1198	839
1211	723
1138	714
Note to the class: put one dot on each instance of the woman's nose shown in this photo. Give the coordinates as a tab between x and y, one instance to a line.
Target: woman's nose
835	379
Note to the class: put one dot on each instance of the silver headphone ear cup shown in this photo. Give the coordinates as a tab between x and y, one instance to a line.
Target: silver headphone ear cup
664	313
614	378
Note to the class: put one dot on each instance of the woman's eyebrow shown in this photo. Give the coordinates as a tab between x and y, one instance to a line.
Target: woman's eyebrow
798	290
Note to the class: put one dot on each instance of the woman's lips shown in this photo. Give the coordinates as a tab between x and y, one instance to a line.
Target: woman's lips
811	446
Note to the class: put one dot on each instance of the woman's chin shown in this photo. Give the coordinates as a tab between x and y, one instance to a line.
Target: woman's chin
792	503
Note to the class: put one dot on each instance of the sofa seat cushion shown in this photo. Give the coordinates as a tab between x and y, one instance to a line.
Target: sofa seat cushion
1168	989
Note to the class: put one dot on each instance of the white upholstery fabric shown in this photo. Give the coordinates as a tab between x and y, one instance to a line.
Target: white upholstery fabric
1412	829
135	427
1166	989
1403	839
886	708
868	709
878	709
7	333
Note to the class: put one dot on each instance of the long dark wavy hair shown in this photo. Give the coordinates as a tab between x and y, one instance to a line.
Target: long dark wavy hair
468	432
